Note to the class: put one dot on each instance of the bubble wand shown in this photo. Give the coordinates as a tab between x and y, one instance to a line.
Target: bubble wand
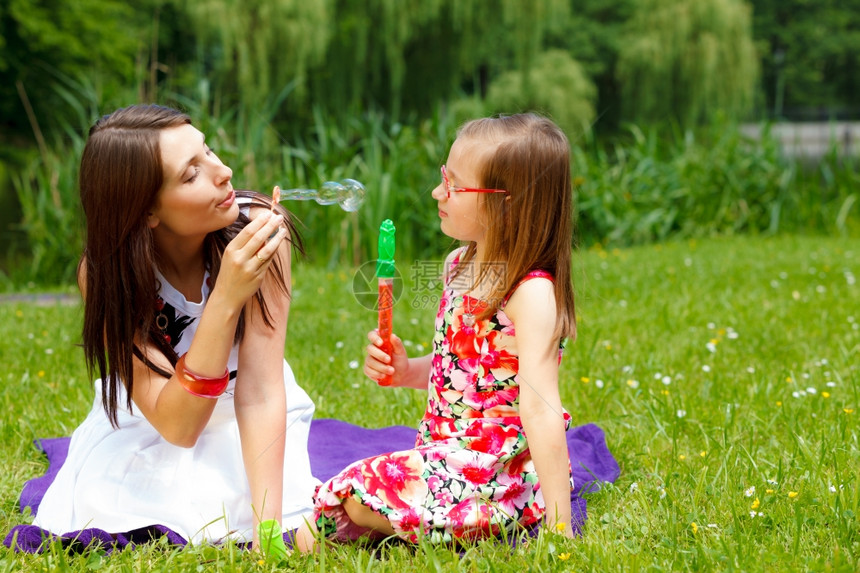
385	276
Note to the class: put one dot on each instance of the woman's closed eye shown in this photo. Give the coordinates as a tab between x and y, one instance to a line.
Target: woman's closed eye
194	175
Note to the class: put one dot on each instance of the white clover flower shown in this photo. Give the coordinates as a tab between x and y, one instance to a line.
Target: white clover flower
732	334
666	380
811	390
681	413
627	369
662	493
750	491
711	347
831	384
750	369
772	482
338	344
706	368
598	383
711	326
633	383
353	364
633	487
832	489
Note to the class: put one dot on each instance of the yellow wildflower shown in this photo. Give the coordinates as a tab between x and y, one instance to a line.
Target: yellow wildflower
694	527
792	494
848	410
682	457
778	403
585	379
825	394
560	526
703	453
755	504
768	491
564	556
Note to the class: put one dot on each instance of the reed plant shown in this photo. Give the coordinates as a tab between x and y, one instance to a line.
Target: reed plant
642	187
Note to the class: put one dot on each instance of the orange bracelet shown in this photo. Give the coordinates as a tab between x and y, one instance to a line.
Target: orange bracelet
198	385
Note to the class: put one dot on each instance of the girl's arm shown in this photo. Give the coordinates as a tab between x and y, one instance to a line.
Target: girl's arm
533	311
177	415
260	397
405	372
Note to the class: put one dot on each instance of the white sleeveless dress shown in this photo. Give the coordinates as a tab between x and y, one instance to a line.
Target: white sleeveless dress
123	479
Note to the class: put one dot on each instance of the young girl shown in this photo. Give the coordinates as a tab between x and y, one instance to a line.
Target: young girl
186	289
490	454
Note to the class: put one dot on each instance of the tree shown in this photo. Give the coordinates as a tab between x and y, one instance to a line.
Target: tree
688	60
43	41
809	63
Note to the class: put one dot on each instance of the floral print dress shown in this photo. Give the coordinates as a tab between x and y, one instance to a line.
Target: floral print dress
470	474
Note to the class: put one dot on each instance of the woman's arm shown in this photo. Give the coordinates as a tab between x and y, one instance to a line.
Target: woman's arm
533	311
177	415
260	397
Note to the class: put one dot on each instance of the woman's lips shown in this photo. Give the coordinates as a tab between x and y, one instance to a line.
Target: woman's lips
228	202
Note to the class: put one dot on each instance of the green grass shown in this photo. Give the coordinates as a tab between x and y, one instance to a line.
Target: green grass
775	407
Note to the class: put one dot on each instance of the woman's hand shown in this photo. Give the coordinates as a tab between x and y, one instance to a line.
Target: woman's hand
247	258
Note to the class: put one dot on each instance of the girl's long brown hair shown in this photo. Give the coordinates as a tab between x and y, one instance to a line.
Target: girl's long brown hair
120	176
532	227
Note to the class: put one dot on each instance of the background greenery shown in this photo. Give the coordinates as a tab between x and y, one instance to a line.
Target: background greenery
294	93
723	371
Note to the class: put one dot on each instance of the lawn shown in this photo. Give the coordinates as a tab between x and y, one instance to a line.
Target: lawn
725	373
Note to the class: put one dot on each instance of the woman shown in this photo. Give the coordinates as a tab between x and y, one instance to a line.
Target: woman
186	288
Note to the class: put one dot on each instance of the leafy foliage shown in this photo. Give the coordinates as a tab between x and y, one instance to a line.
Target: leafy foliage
810	63
688	59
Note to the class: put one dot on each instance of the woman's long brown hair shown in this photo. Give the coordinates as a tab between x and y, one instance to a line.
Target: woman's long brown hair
120	176
532	227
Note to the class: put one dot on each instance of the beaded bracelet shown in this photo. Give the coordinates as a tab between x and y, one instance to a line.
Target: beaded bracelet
198	385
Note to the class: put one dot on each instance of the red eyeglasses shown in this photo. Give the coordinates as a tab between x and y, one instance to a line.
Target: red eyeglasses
451	189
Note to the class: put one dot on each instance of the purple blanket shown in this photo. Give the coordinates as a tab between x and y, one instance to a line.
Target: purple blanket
332	446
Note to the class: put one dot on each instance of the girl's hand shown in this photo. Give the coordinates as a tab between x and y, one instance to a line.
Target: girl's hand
247	258
378	364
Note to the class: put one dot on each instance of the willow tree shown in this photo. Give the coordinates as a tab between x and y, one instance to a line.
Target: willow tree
411	54
688	60
255	49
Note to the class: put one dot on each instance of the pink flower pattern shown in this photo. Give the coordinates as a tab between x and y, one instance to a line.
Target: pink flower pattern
470	474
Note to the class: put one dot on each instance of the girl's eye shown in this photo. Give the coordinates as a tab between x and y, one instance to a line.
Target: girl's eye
209	150
193	177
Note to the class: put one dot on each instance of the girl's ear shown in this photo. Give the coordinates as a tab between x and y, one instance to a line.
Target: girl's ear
152	220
